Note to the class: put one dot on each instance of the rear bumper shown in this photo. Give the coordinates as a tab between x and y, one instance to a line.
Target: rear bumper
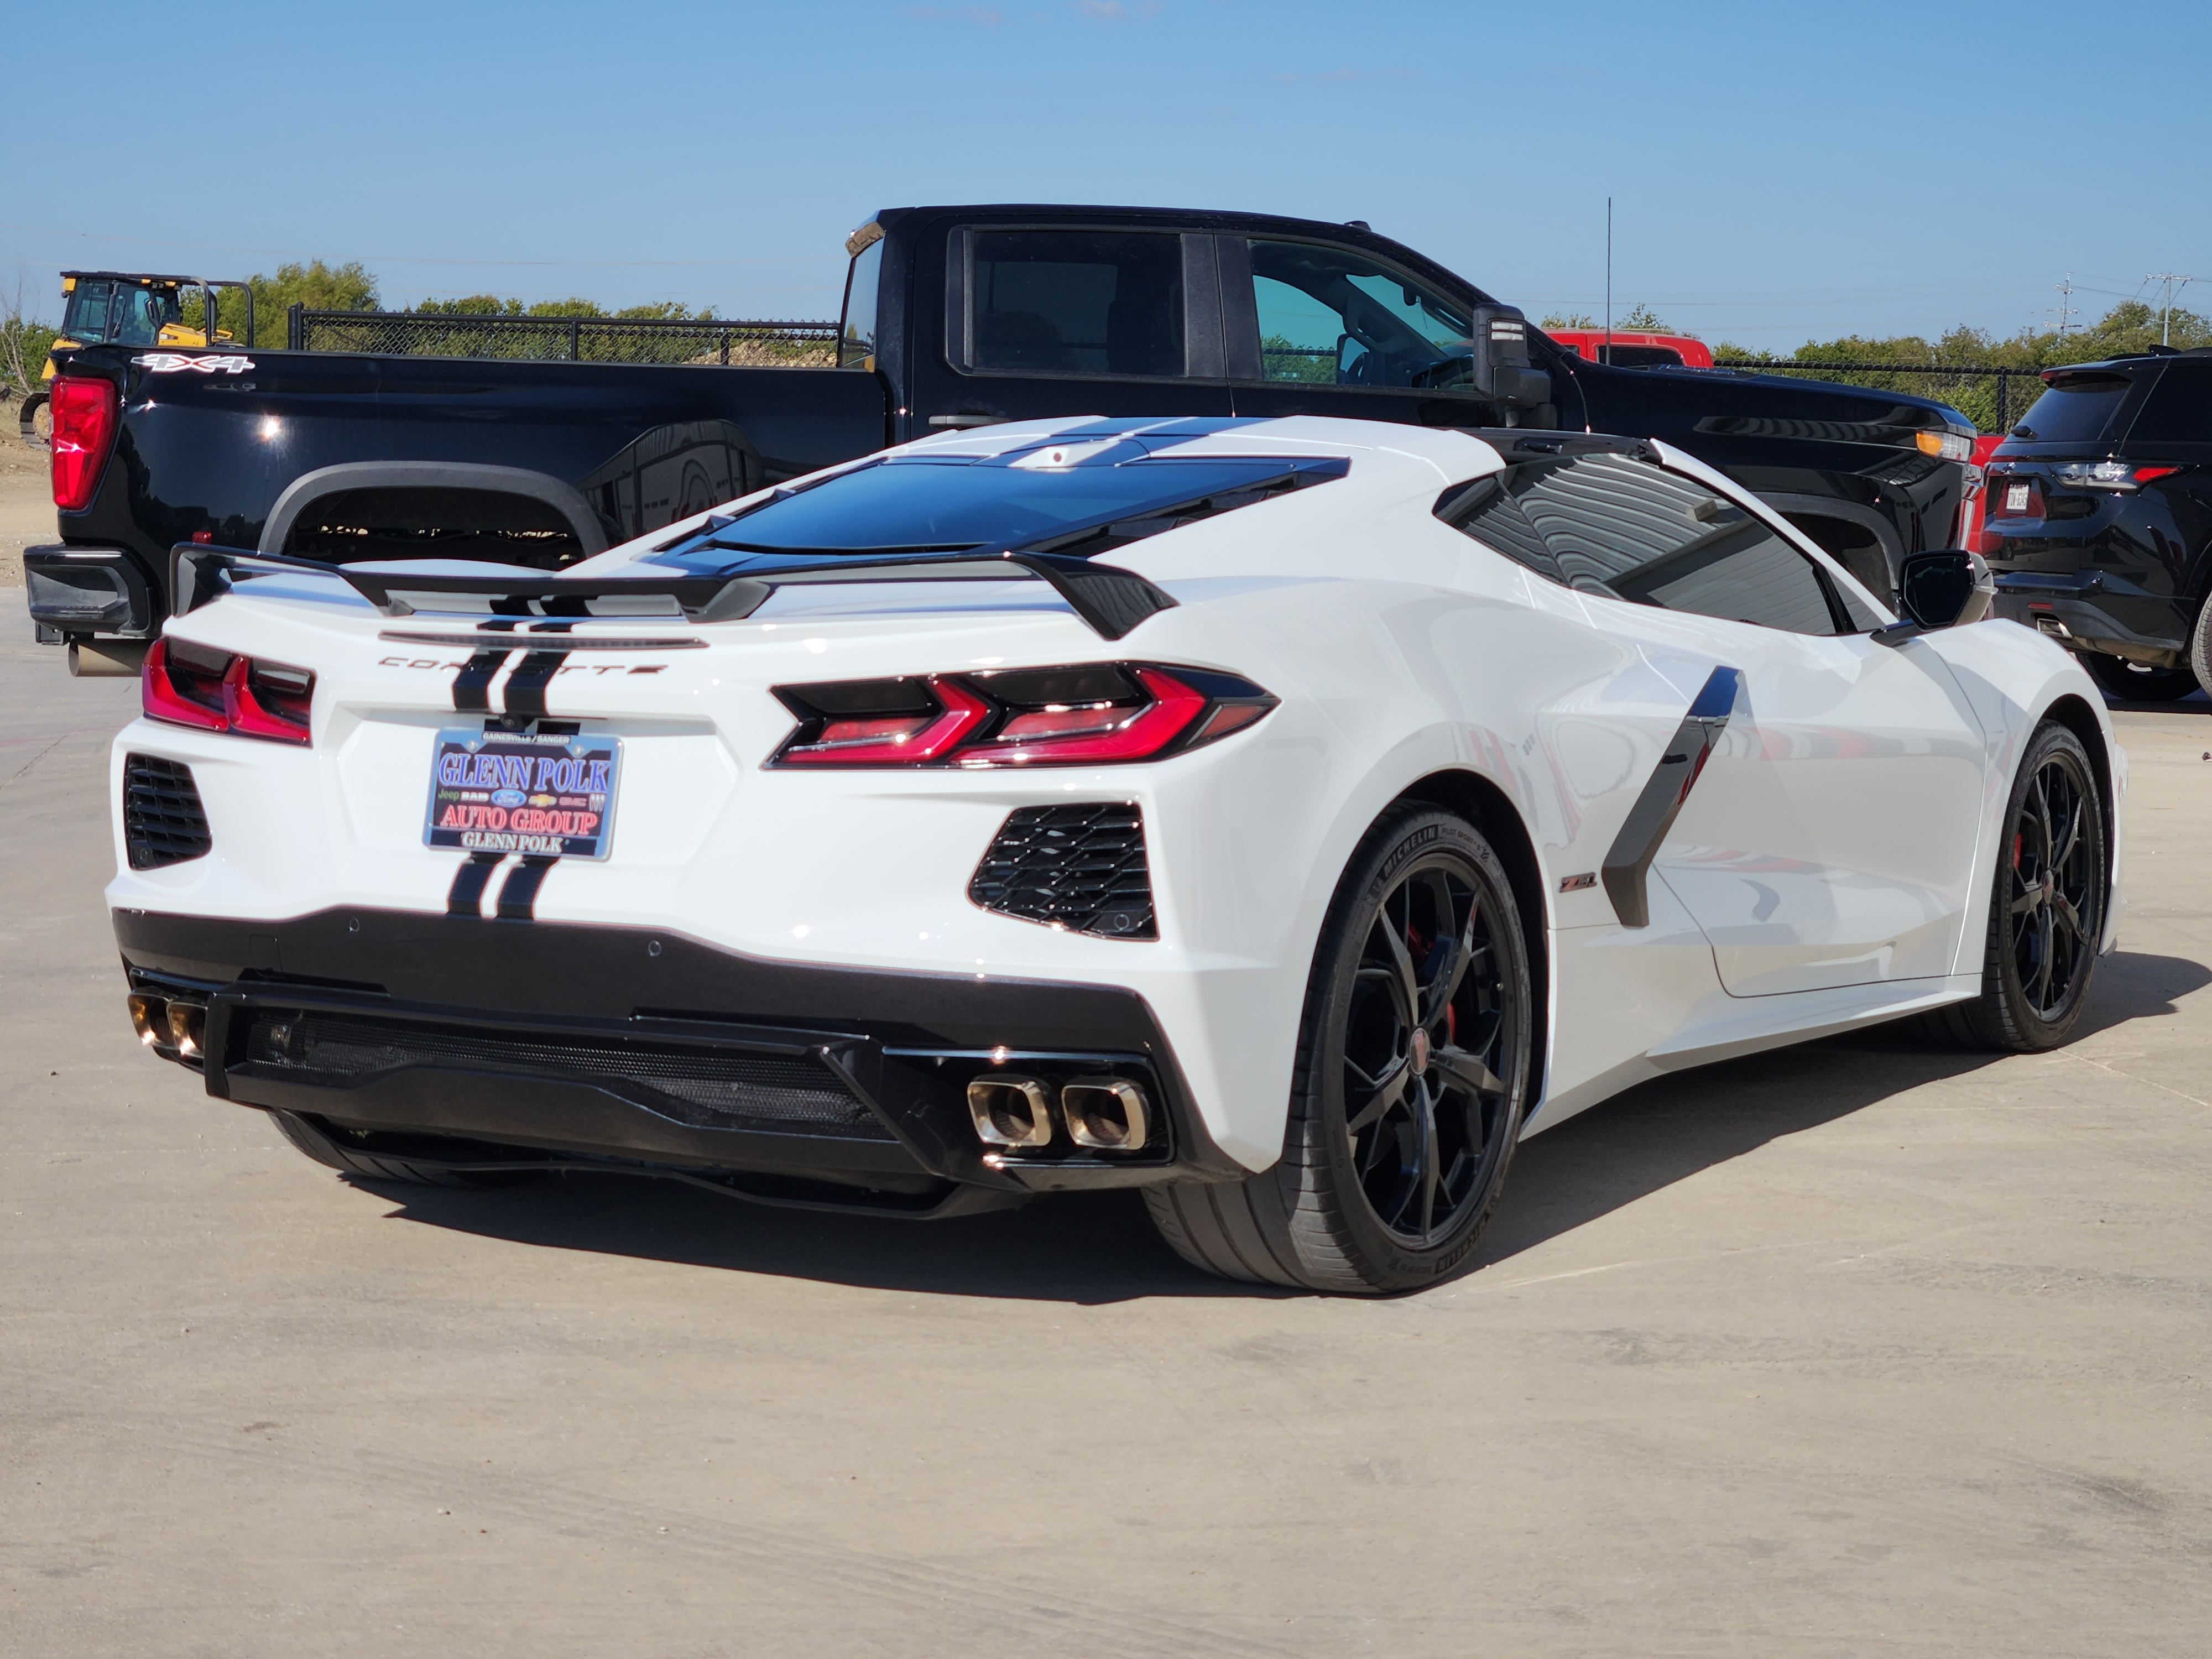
2086	610
87	590
588	1042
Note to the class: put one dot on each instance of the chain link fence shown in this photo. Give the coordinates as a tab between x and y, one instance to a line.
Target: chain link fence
567	339
1993	398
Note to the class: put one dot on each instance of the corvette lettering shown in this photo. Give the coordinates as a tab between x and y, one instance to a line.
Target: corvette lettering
567	668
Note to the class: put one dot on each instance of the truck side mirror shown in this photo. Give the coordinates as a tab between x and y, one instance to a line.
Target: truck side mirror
1946	589
1504	372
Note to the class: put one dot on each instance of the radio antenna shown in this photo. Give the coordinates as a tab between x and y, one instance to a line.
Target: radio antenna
1608	279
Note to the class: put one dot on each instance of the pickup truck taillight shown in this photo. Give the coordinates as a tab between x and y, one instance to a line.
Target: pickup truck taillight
192	685
84	413
1091	713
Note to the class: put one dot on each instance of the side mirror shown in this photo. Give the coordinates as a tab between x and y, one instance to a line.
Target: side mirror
1503	371
1947	589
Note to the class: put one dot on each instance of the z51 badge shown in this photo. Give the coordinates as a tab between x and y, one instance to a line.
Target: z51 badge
521	792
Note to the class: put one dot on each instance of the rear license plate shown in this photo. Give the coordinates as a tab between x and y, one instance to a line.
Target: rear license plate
517	792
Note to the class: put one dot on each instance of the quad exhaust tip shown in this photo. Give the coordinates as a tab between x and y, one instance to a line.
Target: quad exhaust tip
149	1017
171	1029
187	1028
1104	1114
1010	1111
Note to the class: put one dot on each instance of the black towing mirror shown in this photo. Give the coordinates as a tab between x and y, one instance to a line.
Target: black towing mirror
1946	589
1504	372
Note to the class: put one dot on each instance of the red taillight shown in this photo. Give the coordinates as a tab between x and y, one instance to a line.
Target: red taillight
215	692
1091	715
178	692
898	739
1109	731
2145	474
83	413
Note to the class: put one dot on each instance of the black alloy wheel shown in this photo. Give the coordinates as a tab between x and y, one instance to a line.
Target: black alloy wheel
2053	911
1416	1059
1425	1111
2046	906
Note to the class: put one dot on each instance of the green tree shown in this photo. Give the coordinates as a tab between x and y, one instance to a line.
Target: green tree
1638	319
2130	326
491	305
317	286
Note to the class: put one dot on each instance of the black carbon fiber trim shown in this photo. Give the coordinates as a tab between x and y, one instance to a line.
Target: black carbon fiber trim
1628	865
705	1088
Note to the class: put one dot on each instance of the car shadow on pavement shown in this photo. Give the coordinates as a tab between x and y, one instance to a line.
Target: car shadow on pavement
1099	1247
1673	1127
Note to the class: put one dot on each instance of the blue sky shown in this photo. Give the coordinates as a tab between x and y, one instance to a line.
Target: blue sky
1779	170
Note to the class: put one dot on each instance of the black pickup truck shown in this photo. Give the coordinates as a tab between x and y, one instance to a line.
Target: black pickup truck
953	317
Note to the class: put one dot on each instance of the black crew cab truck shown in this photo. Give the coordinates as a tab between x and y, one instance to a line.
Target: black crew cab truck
954	317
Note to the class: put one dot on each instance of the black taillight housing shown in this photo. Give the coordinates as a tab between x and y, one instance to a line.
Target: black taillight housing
1079	714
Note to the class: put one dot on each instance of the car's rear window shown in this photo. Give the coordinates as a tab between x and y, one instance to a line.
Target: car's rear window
956	504
2179	409
2077	410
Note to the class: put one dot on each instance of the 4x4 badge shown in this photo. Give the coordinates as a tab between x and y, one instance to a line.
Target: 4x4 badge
168	362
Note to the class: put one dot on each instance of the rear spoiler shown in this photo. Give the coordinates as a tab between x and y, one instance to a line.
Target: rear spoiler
1110	600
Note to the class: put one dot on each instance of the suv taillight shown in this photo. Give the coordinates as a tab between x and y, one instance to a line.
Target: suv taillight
1094	714
187	685
83	413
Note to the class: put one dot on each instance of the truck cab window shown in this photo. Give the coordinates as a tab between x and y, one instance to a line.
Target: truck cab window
86	320
1331	316
1077	302
1628	530
137	317
856	335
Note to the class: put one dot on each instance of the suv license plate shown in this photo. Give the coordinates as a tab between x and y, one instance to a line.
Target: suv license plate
519	792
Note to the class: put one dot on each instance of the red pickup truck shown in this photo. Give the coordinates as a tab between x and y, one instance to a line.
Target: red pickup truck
1632	350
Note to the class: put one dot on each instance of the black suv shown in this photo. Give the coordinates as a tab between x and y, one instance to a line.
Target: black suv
2098	519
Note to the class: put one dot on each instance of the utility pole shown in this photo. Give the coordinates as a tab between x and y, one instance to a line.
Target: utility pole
2066	308
2174	282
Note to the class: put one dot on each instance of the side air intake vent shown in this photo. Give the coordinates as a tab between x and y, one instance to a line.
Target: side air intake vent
163	821
1077	867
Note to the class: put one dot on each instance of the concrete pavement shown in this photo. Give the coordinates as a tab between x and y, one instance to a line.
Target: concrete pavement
1860	1347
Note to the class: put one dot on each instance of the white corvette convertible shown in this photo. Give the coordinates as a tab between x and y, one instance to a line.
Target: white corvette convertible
1282	817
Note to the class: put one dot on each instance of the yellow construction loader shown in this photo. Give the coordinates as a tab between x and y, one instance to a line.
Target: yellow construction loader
124	308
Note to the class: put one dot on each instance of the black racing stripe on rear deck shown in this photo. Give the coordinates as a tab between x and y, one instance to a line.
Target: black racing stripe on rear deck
472	685
465	897
525	687
517	895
